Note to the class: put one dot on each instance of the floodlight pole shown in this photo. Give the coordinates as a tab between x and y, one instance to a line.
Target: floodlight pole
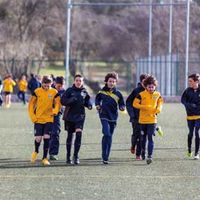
169	63
67	50
187	43
150	36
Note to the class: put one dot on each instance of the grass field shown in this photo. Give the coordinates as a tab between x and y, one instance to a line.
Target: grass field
171	175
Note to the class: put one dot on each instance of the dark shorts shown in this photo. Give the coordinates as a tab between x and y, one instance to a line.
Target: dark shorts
41	129
7	93
72	126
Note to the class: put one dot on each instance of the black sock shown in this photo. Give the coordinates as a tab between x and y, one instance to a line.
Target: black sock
45	147
37	145
69	144
77	143
189	143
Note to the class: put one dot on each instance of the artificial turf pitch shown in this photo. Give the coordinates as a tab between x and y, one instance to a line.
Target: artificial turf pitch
170	176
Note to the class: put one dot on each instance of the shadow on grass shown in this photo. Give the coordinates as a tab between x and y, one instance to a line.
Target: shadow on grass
13	163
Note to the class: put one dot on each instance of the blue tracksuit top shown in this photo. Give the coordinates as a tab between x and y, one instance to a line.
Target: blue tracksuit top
191	100
109	101
133	112
75	100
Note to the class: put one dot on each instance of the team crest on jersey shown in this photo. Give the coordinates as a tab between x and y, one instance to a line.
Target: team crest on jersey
83	94
154	97
50	96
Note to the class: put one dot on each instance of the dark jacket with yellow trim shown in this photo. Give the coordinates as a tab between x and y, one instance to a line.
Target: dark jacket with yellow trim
191	100
75	100
109	101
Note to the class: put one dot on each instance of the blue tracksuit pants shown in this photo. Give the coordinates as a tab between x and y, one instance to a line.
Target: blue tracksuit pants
55	135
107	130
147	132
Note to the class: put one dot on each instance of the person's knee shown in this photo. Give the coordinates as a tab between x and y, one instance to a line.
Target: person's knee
38	139
46	136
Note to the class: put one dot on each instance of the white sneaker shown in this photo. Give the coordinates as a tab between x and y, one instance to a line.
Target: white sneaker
196	157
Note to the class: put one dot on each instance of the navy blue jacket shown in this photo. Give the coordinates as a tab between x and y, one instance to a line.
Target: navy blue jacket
133	112
191	100
33	84
109	100
75	100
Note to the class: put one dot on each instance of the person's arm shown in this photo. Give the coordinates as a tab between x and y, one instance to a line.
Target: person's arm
31	108
88	102
159	105
66	99
184	101
137	103
129	105
98	101
57	104
121	103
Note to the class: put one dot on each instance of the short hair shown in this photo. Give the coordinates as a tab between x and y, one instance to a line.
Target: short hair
194	77
46	79
143	76
59	80
113	75
78	75
150	80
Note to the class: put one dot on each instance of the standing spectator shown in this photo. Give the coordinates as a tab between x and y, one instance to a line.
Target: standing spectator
75	99
55	135
107	102
191	100
43	105
33	84
22	85
8	85
149	102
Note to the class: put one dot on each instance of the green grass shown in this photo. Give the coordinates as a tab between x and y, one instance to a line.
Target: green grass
170	176
58	70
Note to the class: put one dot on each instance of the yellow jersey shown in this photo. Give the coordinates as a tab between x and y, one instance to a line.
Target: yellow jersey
8	85
43	105
22	84
149	104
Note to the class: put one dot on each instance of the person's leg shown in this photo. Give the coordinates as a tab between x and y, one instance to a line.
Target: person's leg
9	99
38	130
70	127
197	132
191	126
46	138
134	137
112	128
54	139
143	133
151	128
23	98
138	140
105	139
19	95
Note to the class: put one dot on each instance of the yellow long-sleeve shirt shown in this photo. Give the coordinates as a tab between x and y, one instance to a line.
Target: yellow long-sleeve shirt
8	85
22	84
149	104
43	105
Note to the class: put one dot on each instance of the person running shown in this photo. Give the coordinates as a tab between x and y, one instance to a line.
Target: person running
43	105
107	102
134	117
55	135
8	85
22	85
149	102
191	100
75	99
